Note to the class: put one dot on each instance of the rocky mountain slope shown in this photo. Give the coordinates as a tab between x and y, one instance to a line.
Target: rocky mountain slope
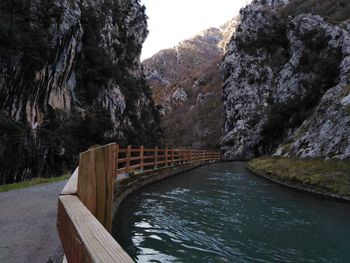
186	83
70	77
287	76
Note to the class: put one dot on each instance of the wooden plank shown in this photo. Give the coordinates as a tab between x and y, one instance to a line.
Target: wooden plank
149	150
149	157
149	164
128	154
115	160
71	186
96	182
133	167
105	207
101	174
172	156
166	156
188	156
156	158
101	185
141	157
87	180
83	238
122	160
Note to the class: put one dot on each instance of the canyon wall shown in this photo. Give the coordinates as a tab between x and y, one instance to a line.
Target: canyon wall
70	77
186	84
286	81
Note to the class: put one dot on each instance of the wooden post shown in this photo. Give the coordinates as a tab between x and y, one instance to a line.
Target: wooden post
190	156
166	156
141	158
156	158
128	156
116	160
172	156
96	182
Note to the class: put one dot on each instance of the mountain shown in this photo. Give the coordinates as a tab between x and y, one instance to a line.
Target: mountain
70	77
286	81
186	84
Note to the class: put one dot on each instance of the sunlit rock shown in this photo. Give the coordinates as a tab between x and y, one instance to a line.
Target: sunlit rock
289	74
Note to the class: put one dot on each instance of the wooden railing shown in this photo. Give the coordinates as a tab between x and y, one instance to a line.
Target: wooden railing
85	205
131	160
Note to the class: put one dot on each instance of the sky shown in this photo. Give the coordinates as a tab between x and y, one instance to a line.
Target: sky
171	21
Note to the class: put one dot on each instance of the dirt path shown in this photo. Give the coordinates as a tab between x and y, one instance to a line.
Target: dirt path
28	225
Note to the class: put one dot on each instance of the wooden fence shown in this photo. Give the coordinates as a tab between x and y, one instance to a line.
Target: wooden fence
84	217
140	159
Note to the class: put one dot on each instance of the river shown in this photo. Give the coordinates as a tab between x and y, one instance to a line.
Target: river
223	213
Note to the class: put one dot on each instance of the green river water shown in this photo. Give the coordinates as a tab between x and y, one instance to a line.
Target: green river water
223	213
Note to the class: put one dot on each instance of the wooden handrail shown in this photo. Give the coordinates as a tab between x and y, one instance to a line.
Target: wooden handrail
84	217
161	158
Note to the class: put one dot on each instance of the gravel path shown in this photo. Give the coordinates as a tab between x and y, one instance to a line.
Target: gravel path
28	225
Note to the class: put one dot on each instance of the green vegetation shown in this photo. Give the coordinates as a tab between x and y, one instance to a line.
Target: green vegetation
30	38
330	177
347	109
29	183
346	91
288	115
195	126
196	121
334	11
19	35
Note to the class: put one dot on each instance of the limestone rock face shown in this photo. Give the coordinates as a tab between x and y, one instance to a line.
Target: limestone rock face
286	85
186	84
179	95
169	65
70	77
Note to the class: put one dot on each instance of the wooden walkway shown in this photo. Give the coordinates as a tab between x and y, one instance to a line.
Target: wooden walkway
85	205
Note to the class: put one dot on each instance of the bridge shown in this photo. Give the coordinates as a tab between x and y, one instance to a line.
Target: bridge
104	177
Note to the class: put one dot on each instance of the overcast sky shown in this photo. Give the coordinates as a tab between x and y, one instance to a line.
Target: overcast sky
171	21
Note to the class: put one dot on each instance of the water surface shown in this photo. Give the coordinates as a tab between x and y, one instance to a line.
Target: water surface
223	213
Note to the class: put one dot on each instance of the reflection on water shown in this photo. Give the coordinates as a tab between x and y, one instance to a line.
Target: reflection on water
222	213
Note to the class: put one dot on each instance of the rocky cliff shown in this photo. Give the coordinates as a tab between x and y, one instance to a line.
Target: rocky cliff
186	84
287	75
70	77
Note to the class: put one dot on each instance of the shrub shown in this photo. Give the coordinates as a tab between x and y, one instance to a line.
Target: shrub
334	11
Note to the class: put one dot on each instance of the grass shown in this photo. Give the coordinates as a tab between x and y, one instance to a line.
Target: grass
29	183
330	177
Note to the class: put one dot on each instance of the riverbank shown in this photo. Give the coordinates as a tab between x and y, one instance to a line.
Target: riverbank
325	177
